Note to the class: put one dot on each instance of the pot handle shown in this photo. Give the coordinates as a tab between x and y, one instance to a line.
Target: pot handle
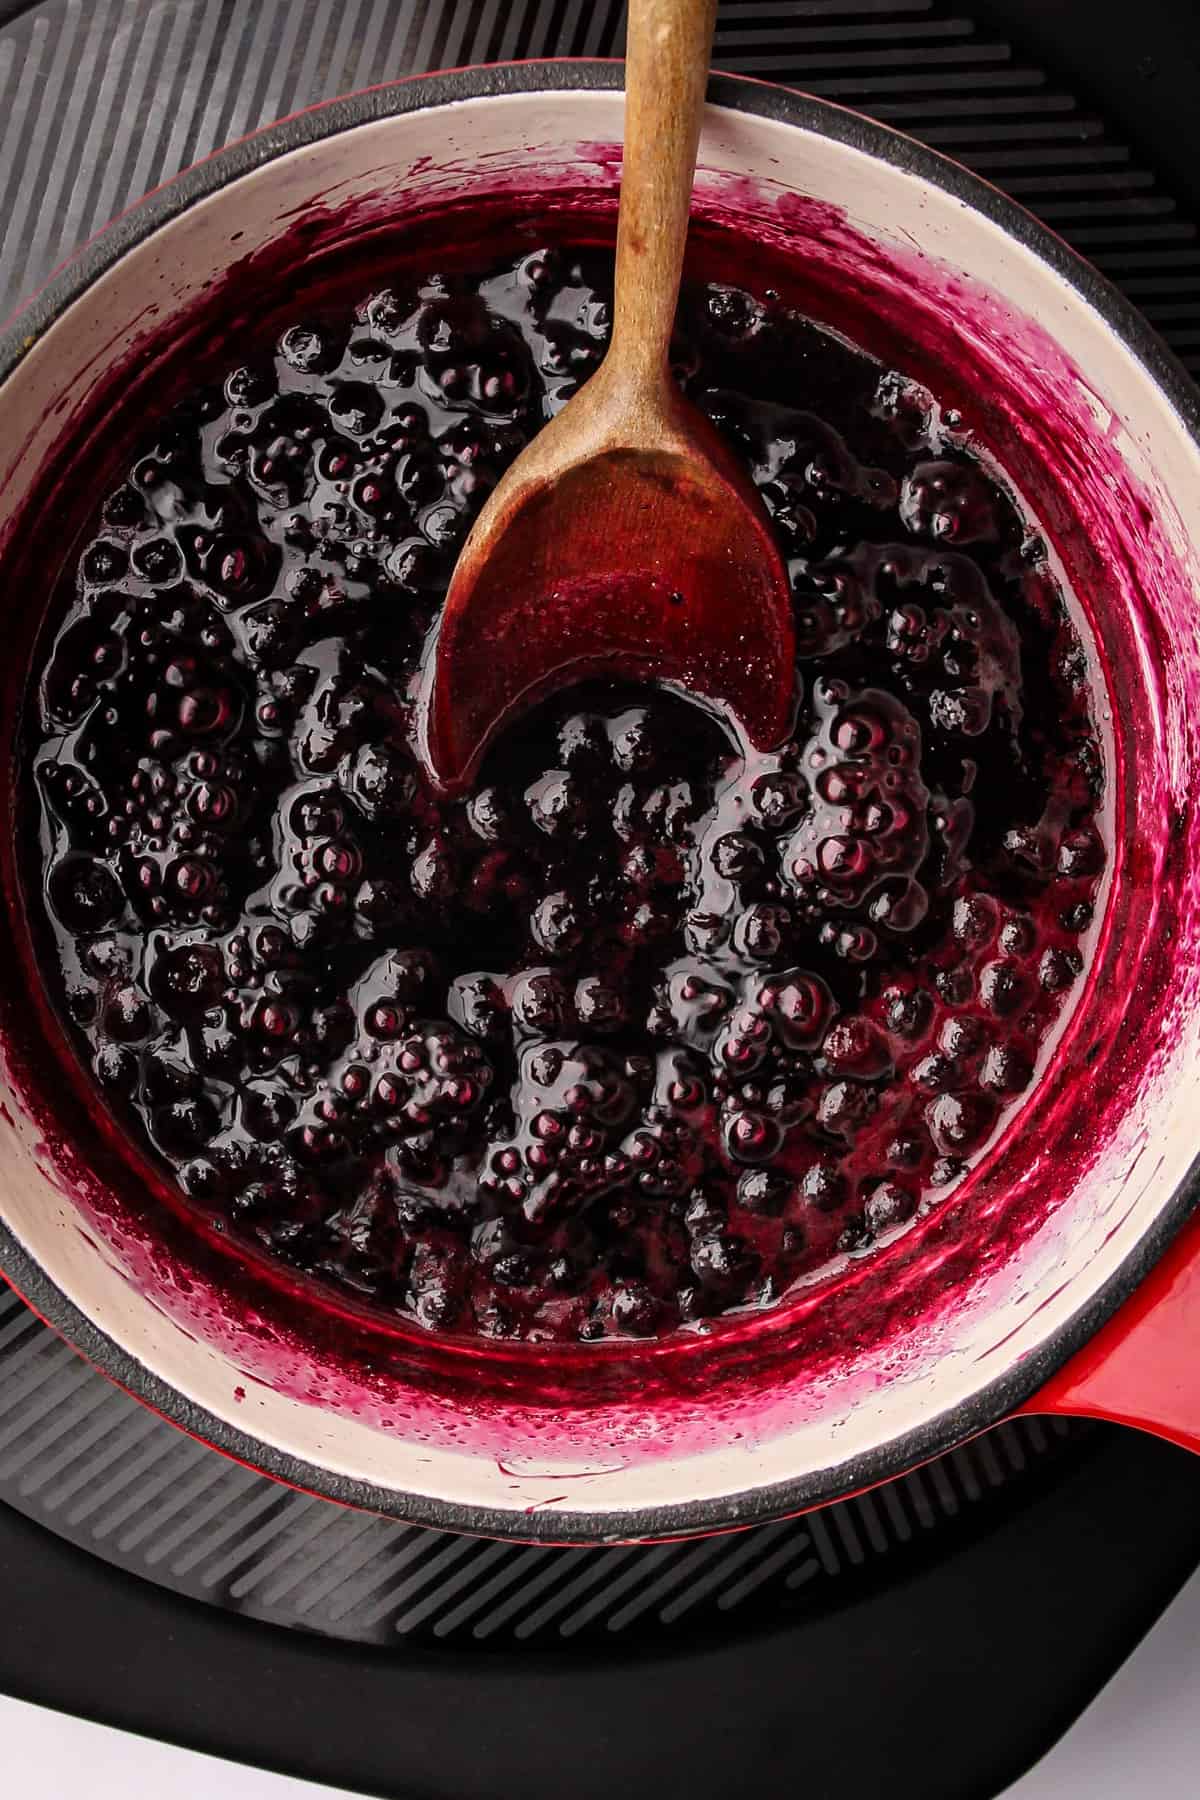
1143	1367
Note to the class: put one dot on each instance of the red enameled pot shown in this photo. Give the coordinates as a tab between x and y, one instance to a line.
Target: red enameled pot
1063	1274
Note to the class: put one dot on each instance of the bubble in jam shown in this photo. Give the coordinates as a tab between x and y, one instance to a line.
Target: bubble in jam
640	1033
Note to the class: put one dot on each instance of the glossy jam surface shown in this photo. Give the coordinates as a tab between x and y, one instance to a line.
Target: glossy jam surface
640	1033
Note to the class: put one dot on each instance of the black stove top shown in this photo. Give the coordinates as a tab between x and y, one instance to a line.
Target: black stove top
89	1463
931	1638
945	1682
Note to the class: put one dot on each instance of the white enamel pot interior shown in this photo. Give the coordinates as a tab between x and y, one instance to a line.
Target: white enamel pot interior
954	1324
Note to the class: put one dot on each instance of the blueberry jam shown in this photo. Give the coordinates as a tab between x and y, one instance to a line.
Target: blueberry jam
642	1031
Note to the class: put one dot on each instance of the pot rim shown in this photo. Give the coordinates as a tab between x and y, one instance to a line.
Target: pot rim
987	1405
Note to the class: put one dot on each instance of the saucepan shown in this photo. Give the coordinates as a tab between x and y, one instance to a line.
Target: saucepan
1064	1275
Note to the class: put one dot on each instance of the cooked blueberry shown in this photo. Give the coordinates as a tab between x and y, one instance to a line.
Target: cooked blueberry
647	1026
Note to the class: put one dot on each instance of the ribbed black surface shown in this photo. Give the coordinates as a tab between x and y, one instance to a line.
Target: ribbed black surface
89	1462
103	99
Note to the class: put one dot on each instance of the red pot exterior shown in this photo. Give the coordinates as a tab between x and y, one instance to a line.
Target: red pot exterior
1143	1367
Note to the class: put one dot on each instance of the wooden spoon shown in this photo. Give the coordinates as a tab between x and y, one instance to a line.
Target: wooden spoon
624	540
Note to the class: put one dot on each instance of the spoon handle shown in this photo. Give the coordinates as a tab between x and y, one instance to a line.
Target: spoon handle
668	43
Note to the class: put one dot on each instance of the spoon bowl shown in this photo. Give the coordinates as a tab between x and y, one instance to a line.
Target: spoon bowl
624	540
616	546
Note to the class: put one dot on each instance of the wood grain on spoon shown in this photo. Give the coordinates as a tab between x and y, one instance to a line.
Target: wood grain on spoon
624	540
